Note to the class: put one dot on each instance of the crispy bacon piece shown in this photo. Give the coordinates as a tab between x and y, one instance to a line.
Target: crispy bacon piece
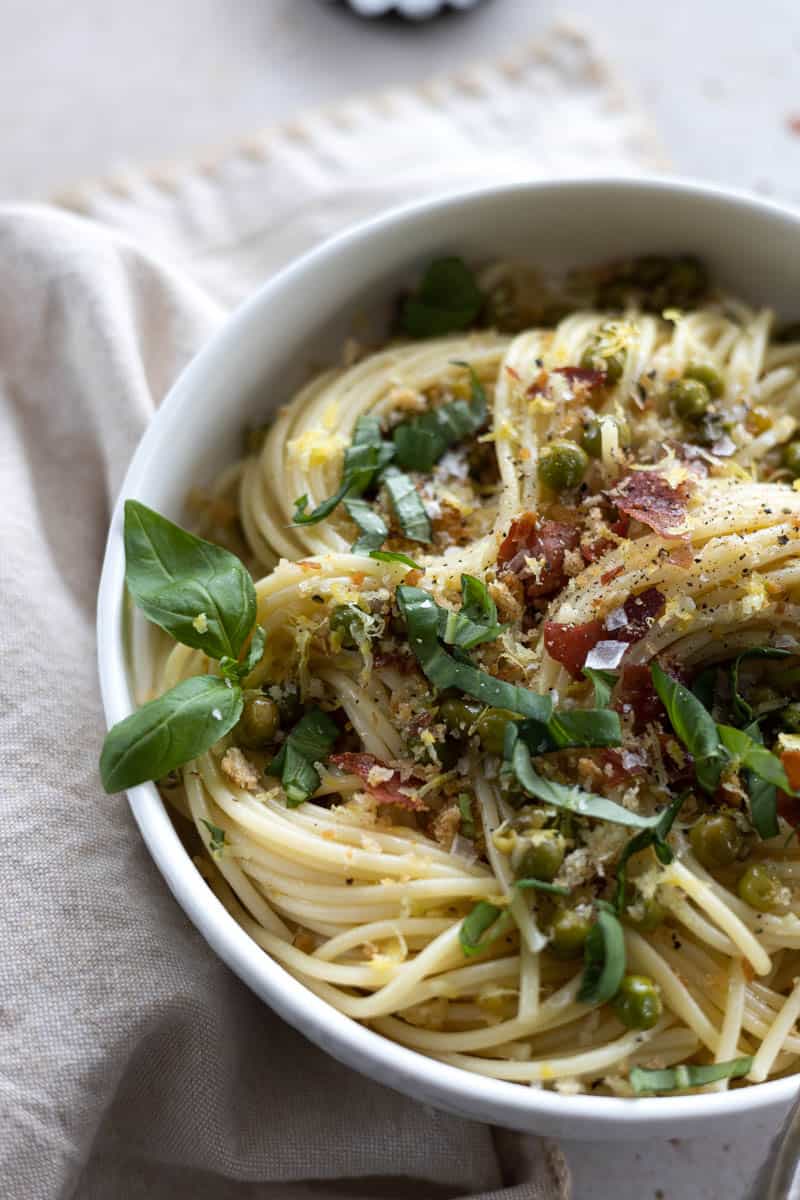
791	765
620	765
387	791
570	644
547	541
641	611
647	497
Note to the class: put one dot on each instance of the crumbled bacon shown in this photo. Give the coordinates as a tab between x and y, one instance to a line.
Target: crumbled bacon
570	644
546	541
620	765
791	765
608	576
582	375
640	612
647	497
393	790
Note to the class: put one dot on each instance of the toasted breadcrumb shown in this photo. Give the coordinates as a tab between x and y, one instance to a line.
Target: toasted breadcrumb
240	770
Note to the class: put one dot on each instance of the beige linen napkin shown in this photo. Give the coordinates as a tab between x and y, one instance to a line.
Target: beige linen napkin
132	1062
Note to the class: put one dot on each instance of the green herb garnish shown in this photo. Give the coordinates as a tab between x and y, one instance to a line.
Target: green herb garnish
483	918
422	617
604	958
655	837
218	840
467	821
394	556
204	597
310	742
603	682
448	298
741	708
670	1079
364	459
542	885
477	620
374	531
407	505
421	442
694	726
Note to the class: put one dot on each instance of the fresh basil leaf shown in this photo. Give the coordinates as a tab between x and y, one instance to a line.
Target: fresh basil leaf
604	958
483	917
476	602
218	840
420	442
571	797
541	885
741	708
687	1075
585	727
310	742
199	593
407	504
374	531
421	614
467	826
656	837
364	459
392	556
693	725
448	298
169	731
754	757
603	682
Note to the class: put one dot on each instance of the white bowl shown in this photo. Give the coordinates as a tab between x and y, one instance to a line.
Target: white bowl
251	366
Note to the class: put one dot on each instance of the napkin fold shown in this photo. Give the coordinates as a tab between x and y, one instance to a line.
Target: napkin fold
132	1062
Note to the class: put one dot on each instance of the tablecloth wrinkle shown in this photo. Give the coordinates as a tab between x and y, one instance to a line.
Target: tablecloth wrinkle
132	1062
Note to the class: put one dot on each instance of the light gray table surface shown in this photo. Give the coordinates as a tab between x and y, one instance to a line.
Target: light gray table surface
86	88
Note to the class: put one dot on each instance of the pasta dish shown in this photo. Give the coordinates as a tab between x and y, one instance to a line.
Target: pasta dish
478	696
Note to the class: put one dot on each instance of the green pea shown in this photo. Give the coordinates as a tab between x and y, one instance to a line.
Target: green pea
592	437
648	913
346	620
569	932
790	717
638	1002
598	357
562	466
491	728
716	840
760	888
460	715
259	721
543	858
690	398
708	376
790	457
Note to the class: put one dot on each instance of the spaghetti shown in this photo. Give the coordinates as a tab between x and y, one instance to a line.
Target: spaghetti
551	838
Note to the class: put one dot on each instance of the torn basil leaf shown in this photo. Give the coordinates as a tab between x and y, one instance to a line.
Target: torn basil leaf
420	442
541	885
374	531
199	593
484	918
364	459
392	556
477	620
753	756
603	682
448	298
217	839
687	1075
422	616
604	958
694	727
407	505
310	742
571	797
655	837
585	727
